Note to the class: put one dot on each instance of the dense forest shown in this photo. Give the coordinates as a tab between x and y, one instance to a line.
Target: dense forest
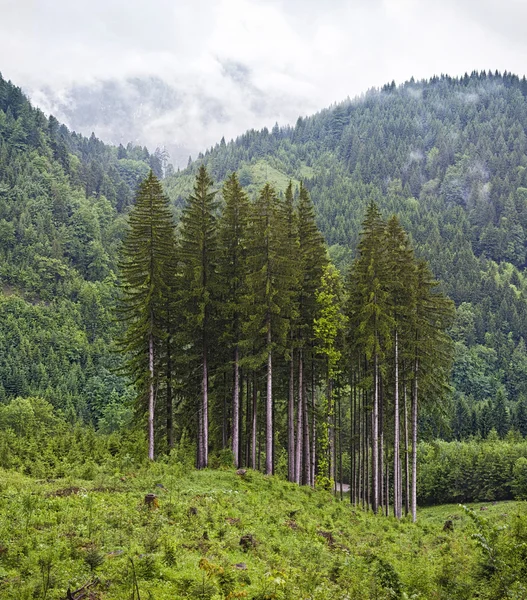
63	203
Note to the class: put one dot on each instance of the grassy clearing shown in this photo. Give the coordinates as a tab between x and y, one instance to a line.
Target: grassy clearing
219	535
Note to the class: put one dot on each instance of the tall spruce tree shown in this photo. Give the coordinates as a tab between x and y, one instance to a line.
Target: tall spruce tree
401	291
310	266
290	220
198	258
232	269
431	352
146	255
266	327
371	323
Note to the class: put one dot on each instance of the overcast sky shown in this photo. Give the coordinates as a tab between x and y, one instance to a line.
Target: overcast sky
239	64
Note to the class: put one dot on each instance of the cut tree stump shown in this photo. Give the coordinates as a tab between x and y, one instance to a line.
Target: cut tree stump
151	501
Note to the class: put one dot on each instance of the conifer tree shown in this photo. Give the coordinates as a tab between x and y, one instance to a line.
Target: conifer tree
198	256
370	319
290	221
401	291
430	351
310	267
233	273
268	295
146	255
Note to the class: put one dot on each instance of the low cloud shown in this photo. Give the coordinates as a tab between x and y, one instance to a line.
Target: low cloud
184	74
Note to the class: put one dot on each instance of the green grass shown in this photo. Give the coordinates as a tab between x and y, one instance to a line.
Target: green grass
299	543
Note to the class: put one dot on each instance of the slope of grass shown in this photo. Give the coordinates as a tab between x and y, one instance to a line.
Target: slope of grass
216	534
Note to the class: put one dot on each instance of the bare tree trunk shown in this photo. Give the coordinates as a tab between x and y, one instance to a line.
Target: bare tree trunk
236	410
241	428
205	409
306	459
331	417
368	484
254	435
313	428
397	496
406	457
299	420
340	444
353	483
381	444
151	402
414	442
291	421
375	436
169	407
387	512
269	405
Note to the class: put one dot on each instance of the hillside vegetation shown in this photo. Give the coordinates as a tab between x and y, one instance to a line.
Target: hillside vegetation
216	534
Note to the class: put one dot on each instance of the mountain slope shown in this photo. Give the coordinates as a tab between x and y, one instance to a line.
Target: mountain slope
63	203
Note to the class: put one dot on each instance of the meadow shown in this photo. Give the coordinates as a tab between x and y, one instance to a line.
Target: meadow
216	534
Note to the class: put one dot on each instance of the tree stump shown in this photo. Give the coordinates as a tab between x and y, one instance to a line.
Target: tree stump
151	501
448	526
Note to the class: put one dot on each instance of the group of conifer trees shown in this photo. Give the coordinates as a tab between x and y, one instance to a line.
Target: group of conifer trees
240	334
399	355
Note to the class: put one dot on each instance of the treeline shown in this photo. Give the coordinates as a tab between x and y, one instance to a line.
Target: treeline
447	155
240	333
473	471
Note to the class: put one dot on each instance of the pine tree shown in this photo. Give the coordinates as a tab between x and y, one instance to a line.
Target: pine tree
310	266
430	351
198	256
267	326
233	273
290	220
401	291
370	320
146	253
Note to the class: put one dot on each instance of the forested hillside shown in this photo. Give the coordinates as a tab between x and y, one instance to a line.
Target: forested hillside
63	204
448	156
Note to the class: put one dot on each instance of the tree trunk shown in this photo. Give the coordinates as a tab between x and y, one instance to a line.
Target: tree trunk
375	436
236	410
269	405
406	457
291	421
205	409
381	444
169	407
151	402
397	504
299	420
254	434
306	450
414	442
313	428
340	446
331	417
